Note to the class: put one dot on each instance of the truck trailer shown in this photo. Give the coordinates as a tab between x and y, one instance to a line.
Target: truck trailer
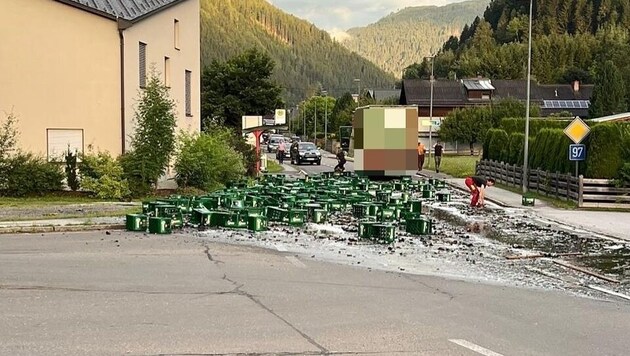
385	141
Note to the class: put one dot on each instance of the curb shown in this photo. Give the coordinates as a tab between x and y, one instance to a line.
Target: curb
53	228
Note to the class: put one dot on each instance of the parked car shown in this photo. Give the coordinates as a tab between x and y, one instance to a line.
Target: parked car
305	152
274	141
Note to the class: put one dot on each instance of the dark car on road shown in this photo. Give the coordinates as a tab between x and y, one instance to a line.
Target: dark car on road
302	152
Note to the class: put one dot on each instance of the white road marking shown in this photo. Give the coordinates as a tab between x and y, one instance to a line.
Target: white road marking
296	262
281	248
473	347
611	292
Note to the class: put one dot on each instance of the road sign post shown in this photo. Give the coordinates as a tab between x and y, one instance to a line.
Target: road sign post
577	130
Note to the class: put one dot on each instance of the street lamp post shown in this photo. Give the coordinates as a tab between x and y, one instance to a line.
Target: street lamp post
529	70
431	109
325	92
315	126
358	80
304	121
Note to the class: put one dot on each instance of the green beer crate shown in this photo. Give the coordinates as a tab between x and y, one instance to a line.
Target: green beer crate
159	225
296	217
384	233
365	229
419	226
136	222
200	217
256	223
387	214
219	218
428	194
275	213
443	196
415	206
319	216
528	200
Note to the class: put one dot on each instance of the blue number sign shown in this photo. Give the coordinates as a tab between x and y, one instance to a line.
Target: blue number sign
577	152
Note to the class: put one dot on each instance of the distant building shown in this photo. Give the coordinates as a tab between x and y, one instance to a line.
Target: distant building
449	95
383	94
73	69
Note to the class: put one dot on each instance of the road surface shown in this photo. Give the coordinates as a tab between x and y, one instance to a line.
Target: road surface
133	294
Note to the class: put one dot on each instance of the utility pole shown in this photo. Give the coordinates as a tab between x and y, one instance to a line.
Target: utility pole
325	92
315	126
529	70
431	109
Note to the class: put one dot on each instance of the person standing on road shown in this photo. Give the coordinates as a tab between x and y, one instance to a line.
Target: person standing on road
421	152
341	158
281	149
437	154
477	186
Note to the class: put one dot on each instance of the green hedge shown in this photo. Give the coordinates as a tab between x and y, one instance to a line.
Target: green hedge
606	152
511	125
515	147
550	151
497	145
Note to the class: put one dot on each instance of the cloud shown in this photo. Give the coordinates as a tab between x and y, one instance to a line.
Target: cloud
330	15
339	34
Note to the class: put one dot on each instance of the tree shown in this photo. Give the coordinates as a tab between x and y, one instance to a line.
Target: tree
316	107
8	136
342	112
466	125
240	86
609	94
153	141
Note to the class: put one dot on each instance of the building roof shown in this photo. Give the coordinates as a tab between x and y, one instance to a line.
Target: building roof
453	93
131	10
477	84
381	94
617	117
445	92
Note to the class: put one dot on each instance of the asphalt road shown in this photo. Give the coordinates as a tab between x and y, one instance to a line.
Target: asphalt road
132	294
328	164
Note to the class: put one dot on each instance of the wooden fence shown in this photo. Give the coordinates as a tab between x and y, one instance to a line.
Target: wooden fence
586	192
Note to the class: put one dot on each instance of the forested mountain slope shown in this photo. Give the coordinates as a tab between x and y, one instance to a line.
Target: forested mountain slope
307	59
404	37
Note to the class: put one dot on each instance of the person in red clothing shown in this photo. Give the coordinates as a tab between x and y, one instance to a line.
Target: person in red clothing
477	186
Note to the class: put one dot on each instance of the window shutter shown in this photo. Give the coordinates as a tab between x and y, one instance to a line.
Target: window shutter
143	65
188	94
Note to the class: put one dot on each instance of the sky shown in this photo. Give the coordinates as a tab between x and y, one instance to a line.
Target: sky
336	16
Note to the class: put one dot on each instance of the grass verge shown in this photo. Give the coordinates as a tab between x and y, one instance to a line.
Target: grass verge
46	200
89	215
557	203
456	166
274	167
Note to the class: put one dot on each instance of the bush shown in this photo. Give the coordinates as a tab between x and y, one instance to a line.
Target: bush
605	152
25	174
498	145
102	176
206	161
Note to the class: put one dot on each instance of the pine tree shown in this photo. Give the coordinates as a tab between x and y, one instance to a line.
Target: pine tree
609	94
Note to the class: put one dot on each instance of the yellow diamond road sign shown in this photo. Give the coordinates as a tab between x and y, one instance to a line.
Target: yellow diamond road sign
577	130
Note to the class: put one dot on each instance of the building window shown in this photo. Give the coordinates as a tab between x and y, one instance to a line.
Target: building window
176	33
188	93
167	72
143	65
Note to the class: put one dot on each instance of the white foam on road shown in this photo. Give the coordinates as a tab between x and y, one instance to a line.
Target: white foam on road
296	262
474	347
281	248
